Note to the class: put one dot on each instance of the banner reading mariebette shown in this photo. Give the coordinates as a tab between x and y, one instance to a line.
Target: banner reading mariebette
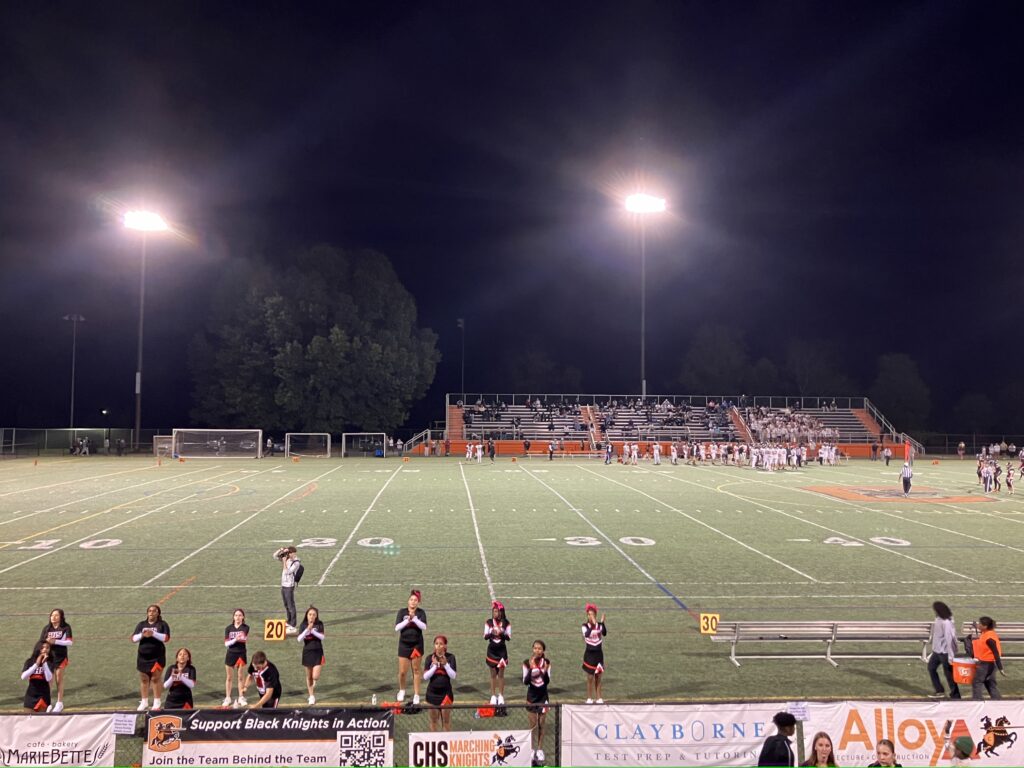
281	737
51	740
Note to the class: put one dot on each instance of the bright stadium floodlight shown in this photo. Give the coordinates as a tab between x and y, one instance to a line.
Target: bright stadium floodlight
145	221
642	205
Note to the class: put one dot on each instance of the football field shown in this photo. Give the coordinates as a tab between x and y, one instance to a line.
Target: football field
653	546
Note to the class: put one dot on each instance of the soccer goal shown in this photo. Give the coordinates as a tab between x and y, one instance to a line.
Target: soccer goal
312	445
163	445
217	443
356	444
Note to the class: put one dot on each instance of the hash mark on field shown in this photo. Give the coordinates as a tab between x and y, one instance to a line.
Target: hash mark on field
476	530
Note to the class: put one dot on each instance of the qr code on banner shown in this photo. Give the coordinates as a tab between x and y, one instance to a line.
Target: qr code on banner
369	748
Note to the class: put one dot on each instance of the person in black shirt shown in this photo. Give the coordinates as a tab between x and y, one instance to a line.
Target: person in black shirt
180	680
777	751
151	635
38	670
440	672
410	623
311	635
267	679
57	633
236	635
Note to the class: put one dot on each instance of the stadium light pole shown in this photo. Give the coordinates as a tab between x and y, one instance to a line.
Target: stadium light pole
144	222
642	205
74	319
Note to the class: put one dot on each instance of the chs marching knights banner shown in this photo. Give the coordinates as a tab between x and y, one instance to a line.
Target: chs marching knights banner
52	740
275	737
468	748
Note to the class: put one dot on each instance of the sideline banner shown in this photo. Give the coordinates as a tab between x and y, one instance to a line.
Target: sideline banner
63	740
273	737
916	729
666	734
456	748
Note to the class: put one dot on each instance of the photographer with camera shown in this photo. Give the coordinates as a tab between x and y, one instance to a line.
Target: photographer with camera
291	574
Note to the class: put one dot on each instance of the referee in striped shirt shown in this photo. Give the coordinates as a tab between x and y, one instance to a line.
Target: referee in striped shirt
906	474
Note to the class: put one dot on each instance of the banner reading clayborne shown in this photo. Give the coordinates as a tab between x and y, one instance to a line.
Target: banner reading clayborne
65	740
280	737
915	727
458	748
666	734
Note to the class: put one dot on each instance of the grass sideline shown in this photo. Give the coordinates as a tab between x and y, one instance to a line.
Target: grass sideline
652	546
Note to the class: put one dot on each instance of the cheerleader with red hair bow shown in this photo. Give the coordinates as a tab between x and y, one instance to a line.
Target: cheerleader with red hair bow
594	632
497	632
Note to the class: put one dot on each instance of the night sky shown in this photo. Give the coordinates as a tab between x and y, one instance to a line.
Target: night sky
847	173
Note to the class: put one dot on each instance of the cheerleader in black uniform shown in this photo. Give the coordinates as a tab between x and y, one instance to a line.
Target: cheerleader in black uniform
439	675
58	635
151	635
497	632
38	670
236	634
311	635
180	680
536	677
594	632
410	623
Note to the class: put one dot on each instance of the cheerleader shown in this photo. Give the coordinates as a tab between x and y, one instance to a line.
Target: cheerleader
57	634
151	635
439	676
410	624
38	670
497	632
236	634
180	680
594	632
536	677
311	635
268	681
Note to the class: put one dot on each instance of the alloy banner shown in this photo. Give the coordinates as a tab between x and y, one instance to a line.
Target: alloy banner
665	734
467	748
53	740
281	737
916	730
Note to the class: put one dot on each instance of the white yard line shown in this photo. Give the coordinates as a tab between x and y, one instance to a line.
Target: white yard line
78	480
604	536
849	536
344	546
213	541
476	530
73	502
701	522
124	522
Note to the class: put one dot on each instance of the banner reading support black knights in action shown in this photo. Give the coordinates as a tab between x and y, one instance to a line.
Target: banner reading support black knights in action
281	737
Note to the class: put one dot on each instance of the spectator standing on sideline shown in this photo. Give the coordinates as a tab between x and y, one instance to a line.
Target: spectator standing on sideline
989	657
887	455
943	650
906	475
290	575
777	750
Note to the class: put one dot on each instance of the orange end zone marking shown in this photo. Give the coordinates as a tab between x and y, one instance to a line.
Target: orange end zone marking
311	488
175	591
232	490
918	495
